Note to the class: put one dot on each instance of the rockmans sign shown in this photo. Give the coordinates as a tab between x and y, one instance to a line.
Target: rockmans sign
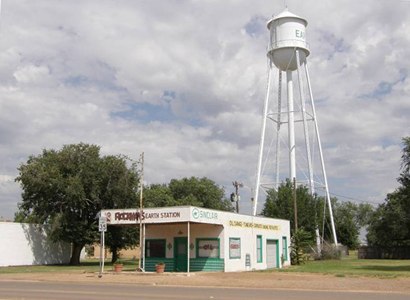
133	217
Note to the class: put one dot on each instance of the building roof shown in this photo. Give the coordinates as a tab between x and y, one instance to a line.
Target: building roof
178	214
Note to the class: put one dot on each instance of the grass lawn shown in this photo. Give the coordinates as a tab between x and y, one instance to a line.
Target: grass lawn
88	266
347	266
352	266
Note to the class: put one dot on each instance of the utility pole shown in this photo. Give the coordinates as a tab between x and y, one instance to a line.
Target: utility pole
295	203
141	186
235	196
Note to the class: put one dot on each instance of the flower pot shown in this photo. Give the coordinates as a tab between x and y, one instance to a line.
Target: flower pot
160	268
118	268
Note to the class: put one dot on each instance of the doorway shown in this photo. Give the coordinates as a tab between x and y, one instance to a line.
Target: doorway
272	254
180	254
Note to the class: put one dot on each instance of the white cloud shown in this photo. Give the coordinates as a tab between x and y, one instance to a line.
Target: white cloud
31	74
184	81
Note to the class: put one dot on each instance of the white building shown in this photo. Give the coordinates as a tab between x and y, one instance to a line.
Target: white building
23	244
215	240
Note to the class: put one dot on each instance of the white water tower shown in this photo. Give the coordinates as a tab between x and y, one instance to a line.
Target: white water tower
288	52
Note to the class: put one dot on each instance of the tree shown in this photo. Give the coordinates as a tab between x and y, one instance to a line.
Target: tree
279	204
118	190
347	228
390	225
194	191
349	217
120	237
66	189
300	245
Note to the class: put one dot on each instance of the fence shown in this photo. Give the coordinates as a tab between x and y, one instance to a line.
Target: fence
367	252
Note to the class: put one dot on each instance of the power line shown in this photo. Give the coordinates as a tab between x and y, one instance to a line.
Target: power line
354	199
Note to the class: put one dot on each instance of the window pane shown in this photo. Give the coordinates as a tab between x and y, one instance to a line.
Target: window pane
285	248
259	248
155	248
208	248
234	248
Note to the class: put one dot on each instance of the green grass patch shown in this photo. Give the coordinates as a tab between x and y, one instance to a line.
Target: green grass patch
87	266
345	267
352	266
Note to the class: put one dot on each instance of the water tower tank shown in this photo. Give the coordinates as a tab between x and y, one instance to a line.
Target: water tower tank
287	33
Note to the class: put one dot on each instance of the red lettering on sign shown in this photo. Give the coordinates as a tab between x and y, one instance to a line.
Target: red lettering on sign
128	216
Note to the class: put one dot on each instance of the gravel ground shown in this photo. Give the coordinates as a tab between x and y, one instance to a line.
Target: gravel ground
298	281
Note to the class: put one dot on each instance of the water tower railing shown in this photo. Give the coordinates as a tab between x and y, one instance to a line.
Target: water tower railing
289	43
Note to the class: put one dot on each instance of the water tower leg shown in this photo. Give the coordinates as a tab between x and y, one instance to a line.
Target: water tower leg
321	157
262	142
305	125
278	128
291	127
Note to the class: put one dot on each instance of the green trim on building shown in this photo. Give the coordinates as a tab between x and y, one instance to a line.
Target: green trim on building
151	262
181	258
195	264
285	248
206	264
259	250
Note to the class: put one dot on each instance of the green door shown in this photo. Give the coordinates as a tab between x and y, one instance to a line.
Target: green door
180	254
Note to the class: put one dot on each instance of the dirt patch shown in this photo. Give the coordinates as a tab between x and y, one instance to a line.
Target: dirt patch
299	281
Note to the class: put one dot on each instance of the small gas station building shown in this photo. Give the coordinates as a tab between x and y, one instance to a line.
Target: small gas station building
193	239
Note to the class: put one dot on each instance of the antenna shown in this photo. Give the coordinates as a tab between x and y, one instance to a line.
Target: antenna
141	211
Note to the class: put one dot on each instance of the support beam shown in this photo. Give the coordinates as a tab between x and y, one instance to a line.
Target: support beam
291	127
321	156
262	143
188	243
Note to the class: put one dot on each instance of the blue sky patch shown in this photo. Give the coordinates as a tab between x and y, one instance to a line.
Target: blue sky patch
146	112
256	26
384	88
161	112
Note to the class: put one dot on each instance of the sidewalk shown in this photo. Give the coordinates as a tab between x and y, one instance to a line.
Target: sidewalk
267	280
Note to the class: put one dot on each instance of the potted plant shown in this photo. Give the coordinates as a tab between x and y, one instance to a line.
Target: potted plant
118	266
160	267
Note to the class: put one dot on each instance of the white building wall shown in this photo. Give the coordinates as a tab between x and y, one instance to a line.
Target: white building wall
248	239
27	244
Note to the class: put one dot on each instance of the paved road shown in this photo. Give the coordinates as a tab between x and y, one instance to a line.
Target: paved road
57	290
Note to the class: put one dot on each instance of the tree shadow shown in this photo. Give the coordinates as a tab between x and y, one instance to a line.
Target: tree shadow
43	249
402	268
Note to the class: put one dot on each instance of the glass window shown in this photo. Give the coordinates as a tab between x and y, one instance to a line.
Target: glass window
259	248
285	248
208	248
234	248
155	248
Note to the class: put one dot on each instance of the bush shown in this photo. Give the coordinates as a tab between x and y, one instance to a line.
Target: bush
300	246
330	251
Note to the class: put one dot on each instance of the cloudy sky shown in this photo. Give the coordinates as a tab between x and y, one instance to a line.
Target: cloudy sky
184	81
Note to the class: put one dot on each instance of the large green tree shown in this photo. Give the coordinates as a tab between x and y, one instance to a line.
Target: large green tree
390	225
201	192
280	204
349	217
66	189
